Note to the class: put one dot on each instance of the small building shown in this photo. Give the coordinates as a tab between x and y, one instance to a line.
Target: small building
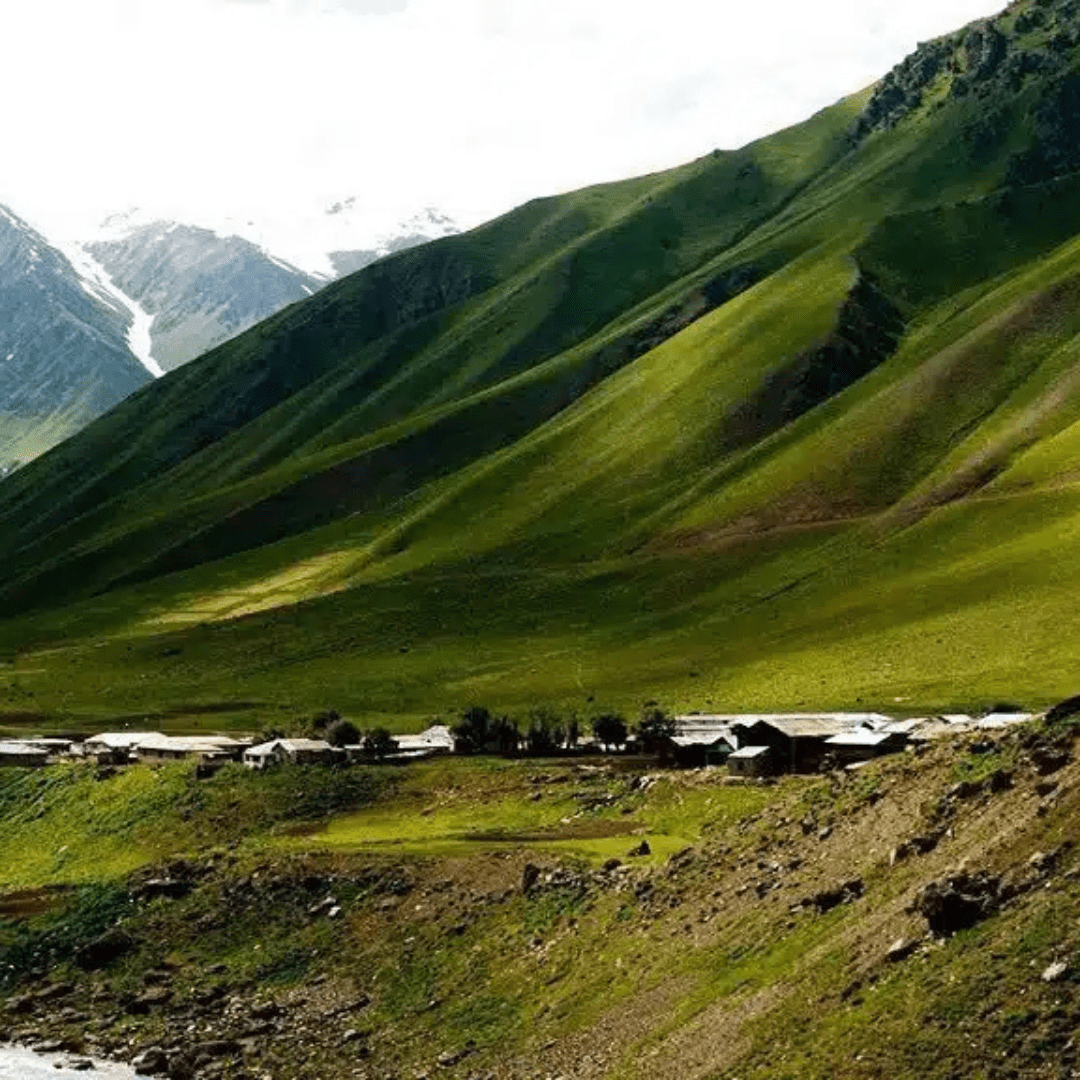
116	747
206	748
798	740
750	761
864	744
696	749
434	740
291	752
20	755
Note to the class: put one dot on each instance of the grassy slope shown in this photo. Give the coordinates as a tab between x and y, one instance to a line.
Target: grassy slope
471	472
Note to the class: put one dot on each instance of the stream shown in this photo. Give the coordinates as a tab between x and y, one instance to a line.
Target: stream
17	1063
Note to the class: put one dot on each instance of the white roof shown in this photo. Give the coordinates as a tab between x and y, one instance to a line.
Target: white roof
122	740
189	744
861	737
749	752
1005	719
22	749
704	738
437	737
293	745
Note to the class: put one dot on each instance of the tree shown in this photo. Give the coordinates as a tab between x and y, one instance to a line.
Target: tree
325	719
505	735
655	728
343	733
472	732
610	729
379	743
546	733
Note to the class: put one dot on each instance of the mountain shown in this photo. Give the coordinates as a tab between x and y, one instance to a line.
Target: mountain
65	356
201	288
790	425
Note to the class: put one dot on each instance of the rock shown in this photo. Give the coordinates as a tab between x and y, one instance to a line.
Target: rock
152	1061
529	877
168	888
1047	758
965	789
901	949
79	1065
959	900
153	998
640	850
449	1058
824	833
103	950
611	864
217	1048
1055	972
828	899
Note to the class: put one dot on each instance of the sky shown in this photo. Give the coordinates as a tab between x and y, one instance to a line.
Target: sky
208	110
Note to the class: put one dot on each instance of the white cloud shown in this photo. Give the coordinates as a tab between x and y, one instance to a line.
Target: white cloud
205	107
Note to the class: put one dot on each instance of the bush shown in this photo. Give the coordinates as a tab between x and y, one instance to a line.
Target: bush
343	733
379	743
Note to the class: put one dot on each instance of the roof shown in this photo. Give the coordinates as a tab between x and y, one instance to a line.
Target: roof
122	740
289	746
861	737
704	738
437	737
805	725
22	750
196	744
748	752
1000	720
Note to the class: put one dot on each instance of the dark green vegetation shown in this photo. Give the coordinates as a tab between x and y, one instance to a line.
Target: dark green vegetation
512	919
794	425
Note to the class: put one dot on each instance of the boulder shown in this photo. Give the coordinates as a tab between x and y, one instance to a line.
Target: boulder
958	901
103	950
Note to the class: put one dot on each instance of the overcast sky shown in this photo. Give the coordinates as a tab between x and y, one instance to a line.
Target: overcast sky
205	108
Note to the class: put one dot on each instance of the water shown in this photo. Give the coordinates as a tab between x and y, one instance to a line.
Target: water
19	1064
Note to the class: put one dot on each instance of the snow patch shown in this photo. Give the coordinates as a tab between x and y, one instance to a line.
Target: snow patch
97	283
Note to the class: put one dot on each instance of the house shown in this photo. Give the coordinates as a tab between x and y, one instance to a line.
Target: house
750	761
208	748
291	752
864	744
701	740
20	755
797	741
434	740
116	747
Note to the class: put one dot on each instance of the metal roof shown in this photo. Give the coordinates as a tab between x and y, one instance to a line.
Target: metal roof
122	740
750	752
22	749
861	737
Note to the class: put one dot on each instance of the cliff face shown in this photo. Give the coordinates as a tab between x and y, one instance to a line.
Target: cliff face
990	61
61	344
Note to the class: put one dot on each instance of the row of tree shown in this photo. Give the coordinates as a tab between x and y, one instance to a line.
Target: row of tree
546	733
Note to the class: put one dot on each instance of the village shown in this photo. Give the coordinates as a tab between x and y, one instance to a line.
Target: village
748	746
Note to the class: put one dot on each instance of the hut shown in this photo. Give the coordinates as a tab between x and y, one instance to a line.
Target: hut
116	747
701	740
291	752
750	761
20	755
209	748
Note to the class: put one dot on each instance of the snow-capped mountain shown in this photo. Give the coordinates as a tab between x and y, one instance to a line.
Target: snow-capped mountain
64	351
203	285
200	288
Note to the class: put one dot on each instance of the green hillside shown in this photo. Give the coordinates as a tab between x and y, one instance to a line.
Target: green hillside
789	425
